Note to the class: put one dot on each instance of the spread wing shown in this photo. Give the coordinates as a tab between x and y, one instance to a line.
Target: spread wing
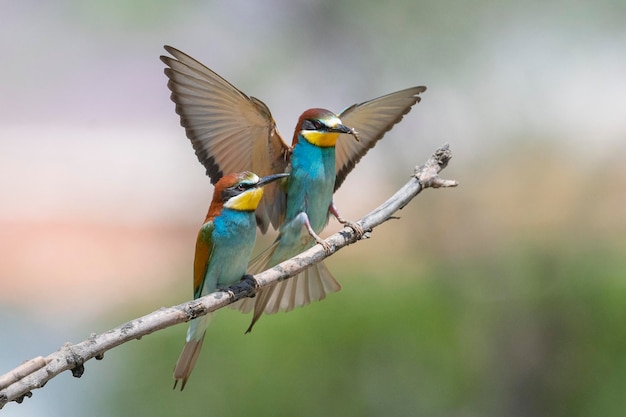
204	250
229	131
371	120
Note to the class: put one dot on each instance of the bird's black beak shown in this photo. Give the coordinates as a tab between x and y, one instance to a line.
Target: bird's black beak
271	178
345	129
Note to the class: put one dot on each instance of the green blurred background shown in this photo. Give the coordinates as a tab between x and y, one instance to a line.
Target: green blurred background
503	297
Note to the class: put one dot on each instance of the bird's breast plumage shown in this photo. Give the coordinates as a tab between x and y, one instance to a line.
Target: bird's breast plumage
233	238
311	183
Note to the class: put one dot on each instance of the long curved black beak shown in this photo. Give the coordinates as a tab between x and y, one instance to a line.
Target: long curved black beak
345	129
271	178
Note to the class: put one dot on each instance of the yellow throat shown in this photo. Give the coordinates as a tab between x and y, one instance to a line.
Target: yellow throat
247	201
321	139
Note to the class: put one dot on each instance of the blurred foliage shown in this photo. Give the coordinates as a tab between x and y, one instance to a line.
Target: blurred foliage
526	330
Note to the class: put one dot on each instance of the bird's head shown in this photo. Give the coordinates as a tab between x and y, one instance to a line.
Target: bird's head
321	128
240	191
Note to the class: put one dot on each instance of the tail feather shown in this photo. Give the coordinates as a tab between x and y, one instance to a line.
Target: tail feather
281	292
261	299
309	285
191	351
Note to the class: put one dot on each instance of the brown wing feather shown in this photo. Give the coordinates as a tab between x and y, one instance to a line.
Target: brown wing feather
204	250
229	131
371	119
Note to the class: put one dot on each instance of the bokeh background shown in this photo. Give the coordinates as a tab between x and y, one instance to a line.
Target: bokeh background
503	297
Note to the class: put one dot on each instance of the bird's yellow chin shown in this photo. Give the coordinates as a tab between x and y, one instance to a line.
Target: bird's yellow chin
247	201
321	139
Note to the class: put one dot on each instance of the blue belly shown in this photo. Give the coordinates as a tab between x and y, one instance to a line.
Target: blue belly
311	183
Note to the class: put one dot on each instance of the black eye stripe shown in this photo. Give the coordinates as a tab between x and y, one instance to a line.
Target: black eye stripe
243	186
235	190
312	124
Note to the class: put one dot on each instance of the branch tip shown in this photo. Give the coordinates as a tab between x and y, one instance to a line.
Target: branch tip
428	174
443	155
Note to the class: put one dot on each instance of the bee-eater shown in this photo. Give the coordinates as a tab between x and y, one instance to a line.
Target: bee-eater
231	131
223	249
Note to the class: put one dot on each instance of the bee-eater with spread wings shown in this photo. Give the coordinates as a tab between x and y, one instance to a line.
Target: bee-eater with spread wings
231	132
223	250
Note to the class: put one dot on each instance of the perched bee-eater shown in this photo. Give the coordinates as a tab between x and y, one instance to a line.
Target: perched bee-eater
223	249
231	132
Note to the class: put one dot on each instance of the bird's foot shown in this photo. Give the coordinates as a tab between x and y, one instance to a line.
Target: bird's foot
322	242
358	229
249	280
247	287
231	294
314	235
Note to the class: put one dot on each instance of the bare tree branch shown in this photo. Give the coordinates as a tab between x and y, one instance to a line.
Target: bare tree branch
18	383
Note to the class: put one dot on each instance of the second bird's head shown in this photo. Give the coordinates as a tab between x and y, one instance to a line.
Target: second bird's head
242	191
321	128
